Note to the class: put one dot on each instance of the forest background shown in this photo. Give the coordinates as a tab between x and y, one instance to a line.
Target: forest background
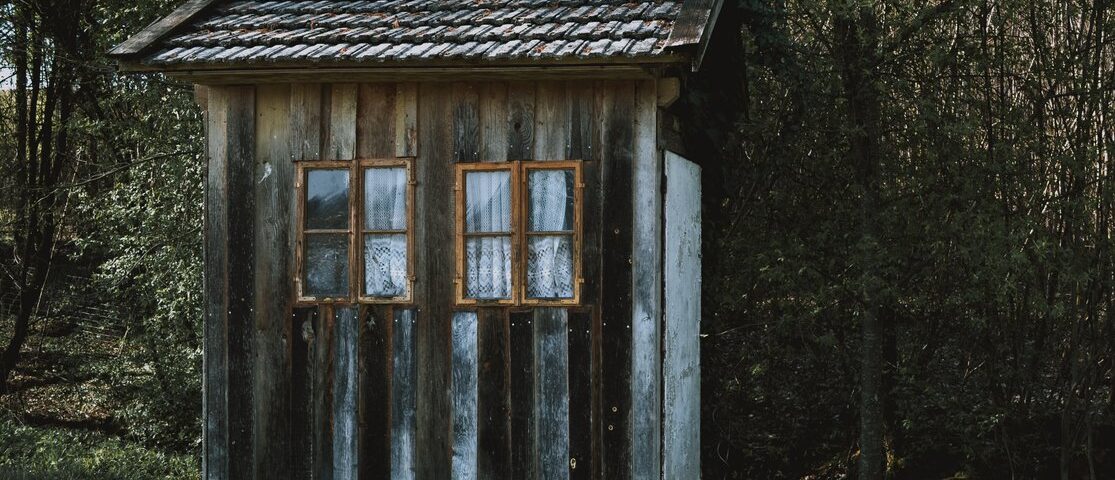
909	213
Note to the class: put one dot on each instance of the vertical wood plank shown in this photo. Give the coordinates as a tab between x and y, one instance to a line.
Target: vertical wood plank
346	333
551	351
580	395
551	121
302	424
523	438
406	120
551	347
585	433
241	279
464	396
404	376
305	121
616	107
375	120
646	275
375	392
434	289
682	363
494	394
493	119
274	173
342	122
215	406
520	120
466	122
322	394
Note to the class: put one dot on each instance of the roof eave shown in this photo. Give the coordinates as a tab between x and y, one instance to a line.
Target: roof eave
143	41
693	29
255	72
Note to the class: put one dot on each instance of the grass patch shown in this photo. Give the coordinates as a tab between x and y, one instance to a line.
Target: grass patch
32	453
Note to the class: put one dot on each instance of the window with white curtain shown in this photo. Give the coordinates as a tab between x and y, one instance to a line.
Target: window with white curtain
518	232
356	246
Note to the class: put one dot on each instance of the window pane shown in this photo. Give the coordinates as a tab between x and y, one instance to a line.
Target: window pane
326	265
385	198
488	267
385	265
551	200
488	201
550	267
327	199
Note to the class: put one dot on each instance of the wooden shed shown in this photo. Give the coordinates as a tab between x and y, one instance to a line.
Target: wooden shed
445	239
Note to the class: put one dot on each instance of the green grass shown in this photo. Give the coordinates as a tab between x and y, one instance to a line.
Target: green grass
33	453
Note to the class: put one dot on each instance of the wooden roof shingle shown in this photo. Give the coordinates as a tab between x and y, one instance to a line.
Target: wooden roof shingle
217	34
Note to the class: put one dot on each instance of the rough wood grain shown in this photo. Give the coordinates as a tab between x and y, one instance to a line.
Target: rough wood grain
493	122
616	107
375	392
682	367
646	274
302	425
585	434
274	175
305	121
240	180
321	384
580	395
406	120
345	391
464	395
404	396
215	368
434	290
551	122
520	120
551	357
494	394
466	122
523	438
375	120
341	141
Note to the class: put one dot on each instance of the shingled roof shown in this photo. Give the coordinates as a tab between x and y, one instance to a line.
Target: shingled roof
212	34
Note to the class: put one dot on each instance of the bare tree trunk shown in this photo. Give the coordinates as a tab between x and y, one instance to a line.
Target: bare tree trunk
857	31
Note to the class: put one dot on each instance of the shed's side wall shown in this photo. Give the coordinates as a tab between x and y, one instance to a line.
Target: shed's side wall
432	391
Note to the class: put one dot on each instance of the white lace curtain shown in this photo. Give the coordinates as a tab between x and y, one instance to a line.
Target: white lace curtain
550	256
385	211
488	257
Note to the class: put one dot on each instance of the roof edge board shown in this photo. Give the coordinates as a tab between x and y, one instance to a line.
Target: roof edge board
299	75
159	29
693	28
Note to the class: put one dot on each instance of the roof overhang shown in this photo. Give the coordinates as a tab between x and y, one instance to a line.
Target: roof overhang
687	43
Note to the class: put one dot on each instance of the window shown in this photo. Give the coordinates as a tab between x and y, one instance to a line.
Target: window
362	239
519	233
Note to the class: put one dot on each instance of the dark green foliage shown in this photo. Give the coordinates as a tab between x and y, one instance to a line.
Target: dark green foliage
993	247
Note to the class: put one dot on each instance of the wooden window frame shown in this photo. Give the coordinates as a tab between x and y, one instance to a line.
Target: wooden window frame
356	230
519	173
577	234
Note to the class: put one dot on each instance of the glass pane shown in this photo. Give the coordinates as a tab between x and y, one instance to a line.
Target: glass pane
385	197
488	267
488	201
550	267
326	266
551	200
327	200
385	265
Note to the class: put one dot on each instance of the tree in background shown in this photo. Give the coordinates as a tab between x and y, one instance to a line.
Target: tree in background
979	236
114	216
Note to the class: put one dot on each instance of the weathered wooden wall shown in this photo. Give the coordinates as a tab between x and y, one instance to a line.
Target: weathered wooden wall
430	391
